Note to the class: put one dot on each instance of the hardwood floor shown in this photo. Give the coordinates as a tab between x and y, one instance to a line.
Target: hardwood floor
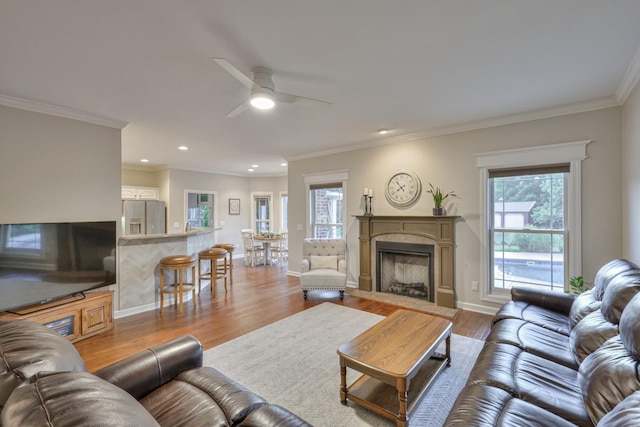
258	297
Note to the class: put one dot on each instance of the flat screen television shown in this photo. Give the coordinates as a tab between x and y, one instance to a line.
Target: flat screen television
43	262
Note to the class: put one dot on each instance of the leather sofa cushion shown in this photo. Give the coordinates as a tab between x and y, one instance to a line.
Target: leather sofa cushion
607	376
27	348
619	292
71	399
625	414
534	339
482	405
546	384
273	416
629	327
609	271
201	397
588	335
584	304
543	317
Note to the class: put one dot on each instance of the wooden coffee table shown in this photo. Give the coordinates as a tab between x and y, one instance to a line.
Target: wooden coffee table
399	361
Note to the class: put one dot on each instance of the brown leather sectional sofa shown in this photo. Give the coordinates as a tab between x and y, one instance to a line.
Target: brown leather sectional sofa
43	381
555	360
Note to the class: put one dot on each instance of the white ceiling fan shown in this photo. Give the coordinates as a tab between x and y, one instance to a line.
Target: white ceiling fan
263	95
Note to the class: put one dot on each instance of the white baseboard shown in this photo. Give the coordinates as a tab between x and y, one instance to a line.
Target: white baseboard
477	308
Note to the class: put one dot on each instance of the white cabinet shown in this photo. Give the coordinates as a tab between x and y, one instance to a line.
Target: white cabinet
140	193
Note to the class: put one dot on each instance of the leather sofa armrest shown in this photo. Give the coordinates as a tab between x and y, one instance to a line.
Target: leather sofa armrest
147	370
559	302
304	266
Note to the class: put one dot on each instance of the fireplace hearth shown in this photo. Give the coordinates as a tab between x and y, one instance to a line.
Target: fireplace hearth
405	269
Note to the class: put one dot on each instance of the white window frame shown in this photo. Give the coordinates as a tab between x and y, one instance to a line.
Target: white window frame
283	211
261	194
216	217
569	152
341	176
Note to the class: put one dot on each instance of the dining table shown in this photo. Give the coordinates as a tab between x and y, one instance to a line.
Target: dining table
266	241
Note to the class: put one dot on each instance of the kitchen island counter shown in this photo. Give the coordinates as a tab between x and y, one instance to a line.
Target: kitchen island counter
139	270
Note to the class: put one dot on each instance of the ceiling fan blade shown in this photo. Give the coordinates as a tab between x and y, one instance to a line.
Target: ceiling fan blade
246	81
295	99
238	110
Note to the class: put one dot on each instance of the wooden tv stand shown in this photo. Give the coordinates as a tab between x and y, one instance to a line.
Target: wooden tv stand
75	317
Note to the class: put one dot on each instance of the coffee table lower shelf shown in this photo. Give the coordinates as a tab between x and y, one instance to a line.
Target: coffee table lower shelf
382	398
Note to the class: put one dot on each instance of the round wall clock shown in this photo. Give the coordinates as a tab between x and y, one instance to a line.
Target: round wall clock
403	188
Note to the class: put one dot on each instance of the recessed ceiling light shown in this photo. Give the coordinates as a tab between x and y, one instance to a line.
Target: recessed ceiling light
250	169
383	131
283	164
144	160
255	166
183	148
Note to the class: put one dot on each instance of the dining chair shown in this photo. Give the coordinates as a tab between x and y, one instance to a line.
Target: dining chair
252	250
281	249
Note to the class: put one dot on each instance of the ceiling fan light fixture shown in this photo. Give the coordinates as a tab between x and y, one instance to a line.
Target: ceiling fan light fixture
262	101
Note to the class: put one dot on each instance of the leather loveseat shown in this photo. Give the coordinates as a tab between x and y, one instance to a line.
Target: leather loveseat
43	381
558	360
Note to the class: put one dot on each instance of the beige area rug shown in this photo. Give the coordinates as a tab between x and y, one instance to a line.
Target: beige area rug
293	363
407	302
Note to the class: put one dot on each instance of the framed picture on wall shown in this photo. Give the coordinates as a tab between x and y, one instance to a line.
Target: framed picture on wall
234	206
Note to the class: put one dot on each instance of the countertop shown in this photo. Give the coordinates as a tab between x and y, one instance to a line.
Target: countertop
196	232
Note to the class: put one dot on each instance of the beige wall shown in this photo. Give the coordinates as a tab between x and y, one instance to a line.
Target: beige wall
140	177
54	169
174	182
449	161
631	177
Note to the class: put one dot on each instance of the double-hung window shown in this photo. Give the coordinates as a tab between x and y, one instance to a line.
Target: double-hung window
326	210
262	211
326	204
530	218
528	227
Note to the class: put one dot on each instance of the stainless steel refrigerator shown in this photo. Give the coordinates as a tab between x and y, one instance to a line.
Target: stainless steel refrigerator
143	217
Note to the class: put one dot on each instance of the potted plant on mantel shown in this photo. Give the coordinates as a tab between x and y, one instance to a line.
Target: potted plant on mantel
438	198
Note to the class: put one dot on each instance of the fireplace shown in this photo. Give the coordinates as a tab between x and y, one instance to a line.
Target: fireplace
434	231
405	269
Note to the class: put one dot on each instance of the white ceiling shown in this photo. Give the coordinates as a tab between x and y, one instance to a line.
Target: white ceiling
418	67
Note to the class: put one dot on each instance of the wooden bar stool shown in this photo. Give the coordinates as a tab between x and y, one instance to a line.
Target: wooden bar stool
178	264
213	255
229	247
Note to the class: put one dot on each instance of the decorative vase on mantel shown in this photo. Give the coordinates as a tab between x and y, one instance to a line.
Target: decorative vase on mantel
438	211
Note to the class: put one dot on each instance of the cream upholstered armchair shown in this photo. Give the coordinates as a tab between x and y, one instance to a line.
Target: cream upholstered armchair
323	265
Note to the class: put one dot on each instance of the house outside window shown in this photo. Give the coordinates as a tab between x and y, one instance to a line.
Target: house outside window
530	228
326	204
327	210
528	232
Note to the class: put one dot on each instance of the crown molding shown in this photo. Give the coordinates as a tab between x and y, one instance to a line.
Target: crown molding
545	113
58	111
630	79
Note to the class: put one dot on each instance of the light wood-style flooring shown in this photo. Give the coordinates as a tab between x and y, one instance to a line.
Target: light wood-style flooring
259	296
